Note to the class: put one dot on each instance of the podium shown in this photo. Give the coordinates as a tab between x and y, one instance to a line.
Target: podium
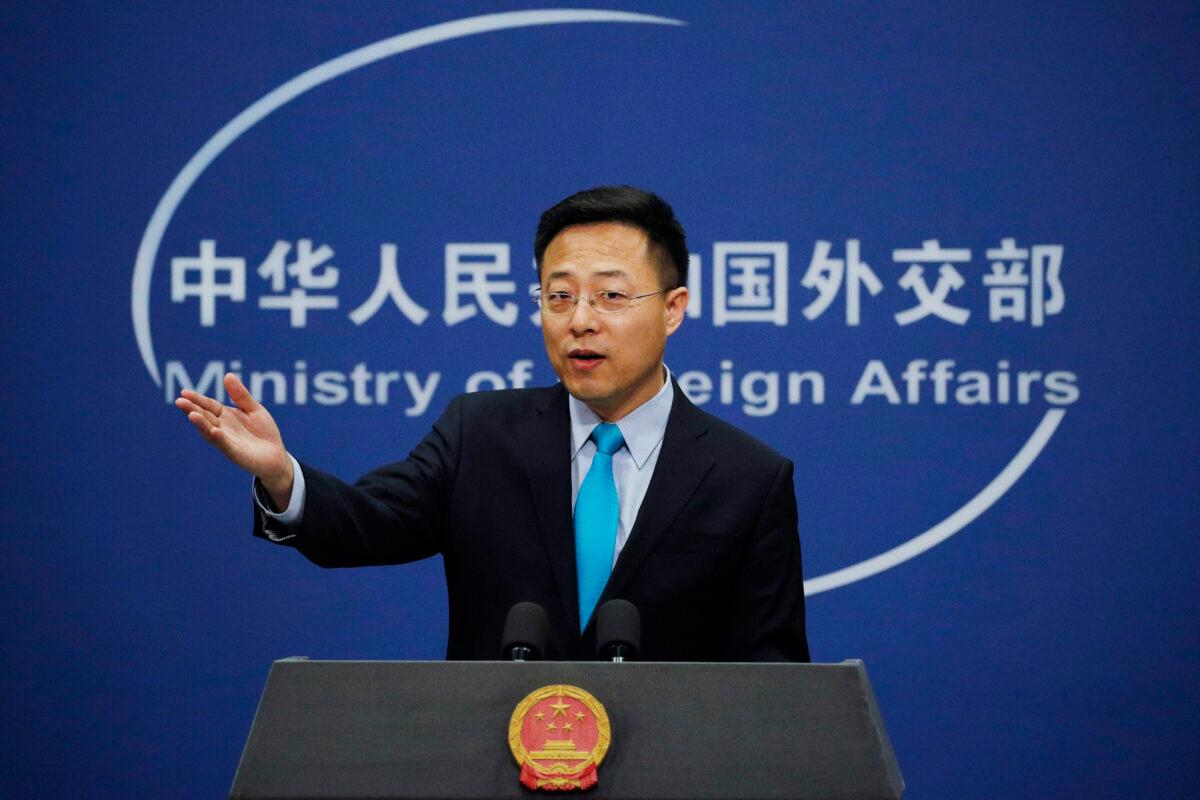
377	729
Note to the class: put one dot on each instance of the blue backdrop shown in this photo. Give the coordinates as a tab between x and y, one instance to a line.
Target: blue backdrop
944	259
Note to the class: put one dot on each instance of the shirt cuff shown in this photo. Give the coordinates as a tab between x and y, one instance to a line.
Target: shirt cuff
290	515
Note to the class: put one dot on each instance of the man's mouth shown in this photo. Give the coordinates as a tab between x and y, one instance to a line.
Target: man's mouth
585	359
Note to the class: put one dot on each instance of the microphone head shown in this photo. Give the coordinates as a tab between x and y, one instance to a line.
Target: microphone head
618	631
525	632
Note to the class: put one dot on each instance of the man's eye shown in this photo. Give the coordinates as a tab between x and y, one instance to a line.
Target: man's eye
558	296
614	297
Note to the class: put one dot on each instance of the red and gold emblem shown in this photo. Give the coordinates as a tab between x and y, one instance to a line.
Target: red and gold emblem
559	735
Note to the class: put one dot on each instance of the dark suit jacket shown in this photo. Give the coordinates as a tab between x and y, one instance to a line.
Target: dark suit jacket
712	562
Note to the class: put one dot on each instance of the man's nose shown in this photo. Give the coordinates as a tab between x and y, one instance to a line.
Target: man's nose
583	317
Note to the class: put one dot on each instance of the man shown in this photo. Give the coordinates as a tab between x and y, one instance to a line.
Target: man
609	484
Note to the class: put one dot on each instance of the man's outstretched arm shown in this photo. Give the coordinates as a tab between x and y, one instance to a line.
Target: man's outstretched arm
391	515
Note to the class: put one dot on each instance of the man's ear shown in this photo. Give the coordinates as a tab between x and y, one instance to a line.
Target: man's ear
677	302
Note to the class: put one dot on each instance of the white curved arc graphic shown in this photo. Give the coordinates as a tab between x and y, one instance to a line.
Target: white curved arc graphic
951	524
152	238
252	115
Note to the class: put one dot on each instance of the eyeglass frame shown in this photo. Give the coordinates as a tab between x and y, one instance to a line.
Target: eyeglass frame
537	294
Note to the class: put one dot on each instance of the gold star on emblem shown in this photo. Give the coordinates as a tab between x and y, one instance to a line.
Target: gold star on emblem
566	726
540	715
551	726
560	707
578	715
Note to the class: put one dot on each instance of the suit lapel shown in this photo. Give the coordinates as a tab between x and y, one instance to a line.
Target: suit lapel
682	464
546	444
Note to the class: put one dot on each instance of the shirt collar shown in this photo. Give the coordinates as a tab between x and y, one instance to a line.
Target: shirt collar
643	428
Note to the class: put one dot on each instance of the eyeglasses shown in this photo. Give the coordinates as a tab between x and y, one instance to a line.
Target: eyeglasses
606	302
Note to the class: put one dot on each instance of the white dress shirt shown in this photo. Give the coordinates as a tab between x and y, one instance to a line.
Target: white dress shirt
633	465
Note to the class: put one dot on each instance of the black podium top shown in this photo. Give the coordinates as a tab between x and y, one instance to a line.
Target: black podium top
351	729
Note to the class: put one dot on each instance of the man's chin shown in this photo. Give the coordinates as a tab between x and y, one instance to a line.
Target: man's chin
584	390
588	392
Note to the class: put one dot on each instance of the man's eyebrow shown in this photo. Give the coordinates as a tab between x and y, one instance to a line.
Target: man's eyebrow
607	273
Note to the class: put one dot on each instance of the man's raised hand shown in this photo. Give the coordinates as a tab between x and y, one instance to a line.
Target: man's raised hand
245	433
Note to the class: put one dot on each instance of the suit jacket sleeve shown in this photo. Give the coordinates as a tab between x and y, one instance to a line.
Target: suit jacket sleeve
768	618
391	515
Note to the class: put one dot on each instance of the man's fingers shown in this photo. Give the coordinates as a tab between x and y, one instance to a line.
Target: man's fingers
188	407
206	403
202	424
211	432
239	394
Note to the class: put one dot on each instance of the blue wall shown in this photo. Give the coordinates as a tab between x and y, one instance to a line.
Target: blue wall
1016	566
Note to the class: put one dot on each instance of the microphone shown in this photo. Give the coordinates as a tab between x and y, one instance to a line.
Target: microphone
618	631
525	631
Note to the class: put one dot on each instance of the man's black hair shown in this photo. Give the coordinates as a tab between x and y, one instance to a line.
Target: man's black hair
629	205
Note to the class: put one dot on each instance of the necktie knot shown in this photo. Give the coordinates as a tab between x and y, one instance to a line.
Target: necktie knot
608	438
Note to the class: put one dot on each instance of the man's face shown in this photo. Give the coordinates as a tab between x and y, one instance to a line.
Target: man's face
612	362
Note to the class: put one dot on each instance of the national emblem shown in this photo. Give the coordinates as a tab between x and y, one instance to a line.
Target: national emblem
559	755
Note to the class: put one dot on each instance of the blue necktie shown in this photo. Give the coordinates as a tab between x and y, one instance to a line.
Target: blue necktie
597	513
